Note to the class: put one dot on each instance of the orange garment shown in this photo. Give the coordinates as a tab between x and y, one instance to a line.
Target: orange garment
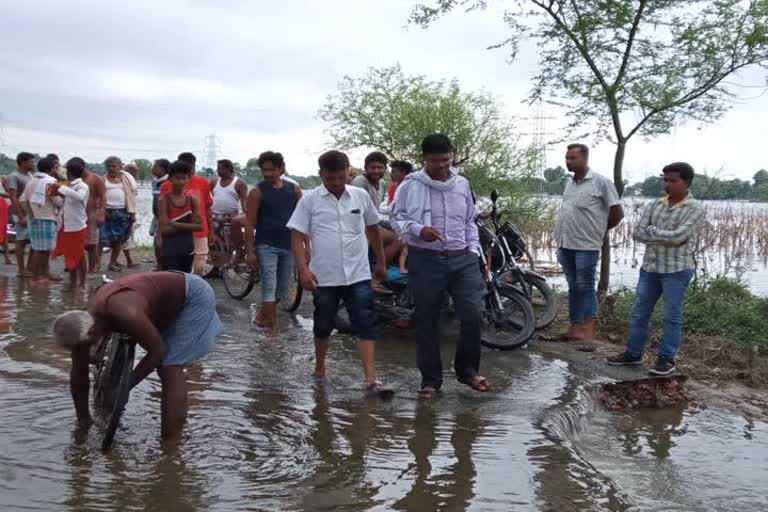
198	187
71	245
3	220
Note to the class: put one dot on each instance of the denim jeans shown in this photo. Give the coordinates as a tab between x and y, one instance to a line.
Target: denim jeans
650	287
358	299
579	268
429	278
276	269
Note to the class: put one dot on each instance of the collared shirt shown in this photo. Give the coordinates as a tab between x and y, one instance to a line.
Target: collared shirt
336	229
583	217
453	216
668	233
49	211
75	202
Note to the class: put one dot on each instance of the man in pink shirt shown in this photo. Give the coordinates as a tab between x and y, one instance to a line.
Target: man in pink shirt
435	214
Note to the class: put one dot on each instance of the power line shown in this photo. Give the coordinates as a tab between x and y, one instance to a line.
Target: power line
212	150
539	135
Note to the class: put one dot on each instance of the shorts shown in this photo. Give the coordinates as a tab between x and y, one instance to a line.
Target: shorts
276	271
193	334
22	232
42	234
358	299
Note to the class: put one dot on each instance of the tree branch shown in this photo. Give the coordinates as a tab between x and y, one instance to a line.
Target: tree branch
583	50
630	43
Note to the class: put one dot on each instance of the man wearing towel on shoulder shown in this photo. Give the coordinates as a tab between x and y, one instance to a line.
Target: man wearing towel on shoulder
172	315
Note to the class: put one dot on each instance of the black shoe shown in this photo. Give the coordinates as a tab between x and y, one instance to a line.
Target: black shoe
663	366
624	359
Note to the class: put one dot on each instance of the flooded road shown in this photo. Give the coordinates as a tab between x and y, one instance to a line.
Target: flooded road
262	436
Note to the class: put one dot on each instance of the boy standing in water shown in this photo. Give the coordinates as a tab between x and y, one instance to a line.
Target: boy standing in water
73	235
667	228
160	172
179	219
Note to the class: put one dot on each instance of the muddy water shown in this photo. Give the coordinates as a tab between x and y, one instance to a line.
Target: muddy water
262	436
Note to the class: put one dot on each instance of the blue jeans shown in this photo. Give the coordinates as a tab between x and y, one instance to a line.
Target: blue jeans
580	268
276	269
650	288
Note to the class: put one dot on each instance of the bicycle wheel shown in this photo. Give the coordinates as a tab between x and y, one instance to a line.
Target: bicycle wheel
216	259
104	356
291	307
239	278
122	371
510	327
543	300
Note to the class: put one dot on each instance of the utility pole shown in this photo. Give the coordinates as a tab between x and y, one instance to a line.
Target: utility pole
212	150
539	135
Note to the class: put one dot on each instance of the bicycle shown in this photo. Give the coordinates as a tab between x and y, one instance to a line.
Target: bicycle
115	355
226	260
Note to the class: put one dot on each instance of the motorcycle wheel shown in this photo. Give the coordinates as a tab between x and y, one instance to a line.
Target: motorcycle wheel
511	327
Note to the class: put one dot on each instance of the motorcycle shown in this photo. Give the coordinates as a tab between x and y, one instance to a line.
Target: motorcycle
508	319
504	246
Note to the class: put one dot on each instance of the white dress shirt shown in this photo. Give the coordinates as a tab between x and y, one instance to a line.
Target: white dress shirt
336	229
75	201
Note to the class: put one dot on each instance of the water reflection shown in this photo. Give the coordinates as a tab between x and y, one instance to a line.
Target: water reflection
262	436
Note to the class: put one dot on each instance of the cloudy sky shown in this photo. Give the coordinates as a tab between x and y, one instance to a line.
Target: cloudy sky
150	79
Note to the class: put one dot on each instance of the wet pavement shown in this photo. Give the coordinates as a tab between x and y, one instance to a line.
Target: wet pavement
263	436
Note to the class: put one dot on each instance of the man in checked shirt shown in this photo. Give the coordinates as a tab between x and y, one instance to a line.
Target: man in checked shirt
667	227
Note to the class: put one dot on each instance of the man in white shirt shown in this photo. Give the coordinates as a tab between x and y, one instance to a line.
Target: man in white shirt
338	222
74	234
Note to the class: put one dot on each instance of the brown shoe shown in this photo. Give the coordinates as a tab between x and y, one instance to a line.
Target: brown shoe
267	315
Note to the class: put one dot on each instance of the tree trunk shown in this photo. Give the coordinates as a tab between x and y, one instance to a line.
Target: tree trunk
618	181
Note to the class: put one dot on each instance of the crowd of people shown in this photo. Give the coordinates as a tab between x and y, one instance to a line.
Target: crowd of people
339	238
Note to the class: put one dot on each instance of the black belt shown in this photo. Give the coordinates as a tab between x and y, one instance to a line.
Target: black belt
439	254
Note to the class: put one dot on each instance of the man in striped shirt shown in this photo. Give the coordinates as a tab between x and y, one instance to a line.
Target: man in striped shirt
667	228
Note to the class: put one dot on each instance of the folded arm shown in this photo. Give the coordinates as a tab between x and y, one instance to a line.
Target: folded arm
653	234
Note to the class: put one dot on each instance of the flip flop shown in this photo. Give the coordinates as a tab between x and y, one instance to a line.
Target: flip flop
380	390
478	384
427	392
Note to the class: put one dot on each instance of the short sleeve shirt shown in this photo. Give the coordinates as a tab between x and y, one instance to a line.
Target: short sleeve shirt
583	217
18	182
376	194
336	229
198	187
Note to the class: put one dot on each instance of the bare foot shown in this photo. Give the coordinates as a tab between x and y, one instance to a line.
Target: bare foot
53	278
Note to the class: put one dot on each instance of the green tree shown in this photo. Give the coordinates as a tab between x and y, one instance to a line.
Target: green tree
251	172
651	187
145	169
392	112
622	68
760	177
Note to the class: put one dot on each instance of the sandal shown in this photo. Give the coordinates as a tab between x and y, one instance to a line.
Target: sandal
477	383
380	390
427	392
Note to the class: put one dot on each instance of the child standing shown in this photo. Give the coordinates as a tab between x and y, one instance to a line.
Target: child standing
73	235
179	219
42	206
160	172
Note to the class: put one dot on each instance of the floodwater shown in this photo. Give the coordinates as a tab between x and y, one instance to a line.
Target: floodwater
262	436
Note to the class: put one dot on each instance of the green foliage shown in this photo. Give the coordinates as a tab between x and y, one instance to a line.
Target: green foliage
556	179
722	307
760	178
392	112
145	169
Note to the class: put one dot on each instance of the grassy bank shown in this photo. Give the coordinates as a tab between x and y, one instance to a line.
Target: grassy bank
725	330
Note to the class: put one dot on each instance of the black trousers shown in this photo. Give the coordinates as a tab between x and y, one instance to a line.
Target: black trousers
430	277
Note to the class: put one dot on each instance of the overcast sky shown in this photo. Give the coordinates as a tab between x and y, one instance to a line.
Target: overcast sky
145	79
